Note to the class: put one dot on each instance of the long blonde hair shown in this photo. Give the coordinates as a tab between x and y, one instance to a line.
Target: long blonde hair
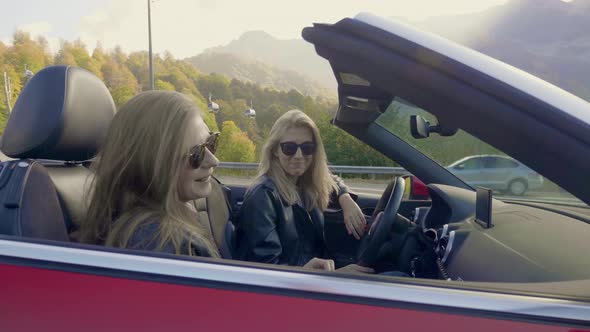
136	174
314	187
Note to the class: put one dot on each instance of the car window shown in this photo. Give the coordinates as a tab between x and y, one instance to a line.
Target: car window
473	163
500	163
521	183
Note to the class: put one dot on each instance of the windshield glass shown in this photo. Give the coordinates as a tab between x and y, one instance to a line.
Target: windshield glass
473	161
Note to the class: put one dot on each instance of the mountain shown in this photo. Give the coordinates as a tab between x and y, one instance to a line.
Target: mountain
292	54
247	69
547	38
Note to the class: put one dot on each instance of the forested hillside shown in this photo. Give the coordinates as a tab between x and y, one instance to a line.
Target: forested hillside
261	73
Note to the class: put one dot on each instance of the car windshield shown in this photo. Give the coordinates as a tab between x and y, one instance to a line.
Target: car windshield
473	161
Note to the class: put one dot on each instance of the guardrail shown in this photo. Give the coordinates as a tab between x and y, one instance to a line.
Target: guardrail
396	171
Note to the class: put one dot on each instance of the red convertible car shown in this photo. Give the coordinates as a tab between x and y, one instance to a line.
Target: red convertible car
477	262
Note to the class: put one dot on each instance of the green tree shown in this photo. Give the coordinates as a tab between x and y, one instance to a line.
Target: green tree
267	117
75	54
27	52
234	111
99	55
235	145
65	57
138	63
118	55
209	118
83	59
217	85
120	81
163	85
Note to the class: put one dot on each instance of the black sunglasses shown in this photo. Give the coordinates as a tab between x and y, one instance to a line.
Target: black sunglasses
197	152
290	148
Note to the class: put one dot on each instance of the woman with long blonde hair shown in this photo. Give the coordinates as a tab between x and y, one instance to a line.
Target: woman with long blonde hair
281	219
157	157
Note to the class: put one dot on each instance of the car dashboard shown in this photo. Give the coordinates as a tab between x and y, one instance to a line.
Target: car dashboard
524	243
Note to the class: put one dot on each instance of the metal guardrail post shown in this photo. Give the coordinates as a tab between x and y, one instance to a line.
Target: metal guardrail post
8	91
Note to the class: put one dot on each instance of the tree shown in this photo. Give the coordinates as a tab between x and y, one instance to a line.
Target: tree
138	63
99	55
3	50
234	111
179	80
266	118
235	145
27	52
83	59
65	57
209	118
163	85
120	81
217	85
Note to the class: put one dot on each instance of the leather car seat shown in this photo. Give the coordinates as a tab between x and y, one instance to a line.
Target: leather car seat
58	122
214	213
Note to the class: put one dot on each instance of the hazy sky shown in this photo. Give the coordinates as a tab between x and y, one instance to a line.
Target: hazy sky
186	27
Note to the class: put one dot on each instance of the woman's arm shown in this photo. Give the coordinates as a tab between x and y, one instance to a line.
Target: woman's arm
341	188
354	218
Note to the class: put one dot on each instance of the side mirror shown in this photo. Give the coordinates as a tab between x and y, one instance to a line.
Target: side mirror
415	189
420	128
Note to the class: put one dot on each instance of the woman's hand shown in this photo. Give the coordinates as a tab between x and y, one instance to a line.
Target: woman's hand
354	219
319	264
328	265
354	268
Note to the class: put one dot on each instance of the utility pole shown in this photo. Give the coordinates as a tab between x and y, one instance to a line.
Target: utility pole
150	42
8	91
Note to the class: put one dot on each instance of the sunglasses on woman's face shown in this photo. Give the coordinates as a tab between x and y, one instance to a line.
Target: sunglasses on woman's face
197	152
290	148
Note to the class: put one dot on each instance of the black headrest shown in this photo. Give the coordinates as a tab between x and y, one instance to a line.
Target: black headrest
62	113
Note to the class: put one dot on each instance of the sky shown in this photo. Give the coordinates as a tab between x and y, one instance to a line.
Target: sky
187	27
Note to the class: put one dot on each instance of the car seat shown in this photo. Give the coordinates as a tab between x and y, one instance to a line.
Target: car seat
57	123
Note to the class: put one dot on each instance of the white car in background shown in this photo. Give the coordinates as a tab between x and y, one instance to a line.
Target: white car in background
497	172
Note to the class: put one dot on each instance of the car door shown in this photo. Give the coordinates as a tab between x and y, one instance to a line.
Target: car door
470	171
491	173
54	286
497	172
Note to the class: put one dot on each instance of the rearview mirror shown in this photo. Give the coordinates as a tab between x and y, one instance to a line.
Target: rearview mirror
421	128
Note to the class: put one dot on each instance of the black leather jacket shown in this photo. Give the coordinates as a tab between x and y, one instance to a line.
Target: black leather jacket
272	231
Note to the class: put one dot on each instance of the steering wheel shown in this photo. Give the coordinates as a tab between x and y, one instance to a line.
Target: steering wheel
381	225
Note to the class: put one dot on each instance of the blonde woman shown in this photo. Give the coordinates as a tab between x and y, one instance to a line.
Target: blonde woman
157	157
281	219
